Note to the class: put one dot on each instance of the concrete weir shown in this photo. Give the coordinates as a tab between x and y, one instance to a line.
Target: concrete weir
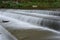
47	21
42	14
42	21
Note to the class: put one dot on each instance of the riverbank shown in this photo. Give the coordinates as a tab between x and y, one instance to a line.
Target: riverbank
30	5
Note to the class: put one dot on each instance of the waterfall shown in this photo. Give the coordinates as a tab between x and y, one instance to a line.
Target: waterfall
53	24
18	24
23	20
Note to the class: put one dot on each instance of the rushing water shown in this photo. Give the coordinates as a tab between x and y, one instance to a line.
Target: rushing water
35	20
46	22
57	13
17	24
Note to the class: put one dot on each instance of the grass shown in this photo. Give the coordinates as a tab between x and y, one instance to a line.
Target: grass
28	5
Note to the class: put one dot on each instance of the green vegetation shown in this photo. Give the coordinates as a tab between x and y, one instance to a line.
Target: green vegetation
40	4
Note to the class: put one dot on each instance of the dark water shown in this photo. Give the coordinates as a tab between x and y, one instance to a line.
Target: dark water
34	35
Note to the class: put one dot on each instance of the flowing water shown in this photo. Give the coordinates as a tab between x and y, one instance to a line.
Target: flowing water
31	20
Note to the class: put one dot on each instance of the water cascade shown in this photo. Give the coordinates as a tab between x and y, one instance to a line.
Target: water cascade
50	23
46	22
57	13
